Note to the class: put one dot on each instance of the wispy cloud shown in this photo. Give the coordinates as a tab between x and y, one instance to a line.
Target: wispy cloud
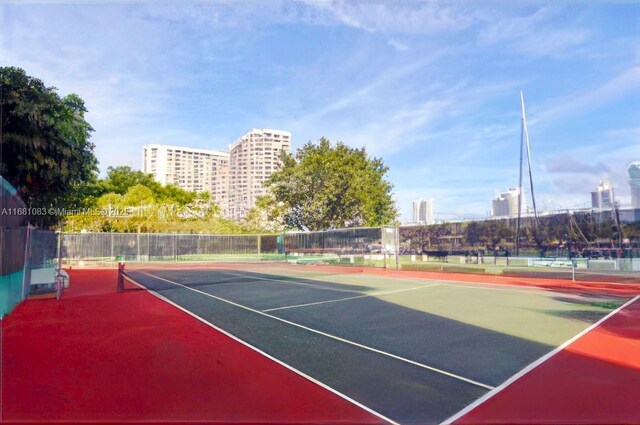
503	25
570	165
535	34
432	87
396	17
553	43
620	85
399	46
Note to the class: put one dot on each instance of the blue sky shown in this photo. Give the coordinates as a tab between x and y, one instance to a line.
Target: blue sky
432	87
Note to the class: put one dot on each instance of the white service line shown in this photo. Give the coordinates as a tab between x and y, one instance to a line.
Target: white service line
518	288
337	338
270	357
373	294
291	283
533	365
444	282
475	285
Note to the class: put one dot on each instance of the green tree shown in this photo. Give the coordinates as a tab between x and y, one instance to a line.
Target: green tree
170	193
324	186
44	145
264	216
473	232
120	179
138	195
495	234
111	199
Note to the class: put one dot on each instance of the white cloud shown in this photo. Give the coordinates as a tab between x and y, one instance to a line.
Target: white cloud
396	17
397	45
435	83
502	25
621	85
552	43
536	34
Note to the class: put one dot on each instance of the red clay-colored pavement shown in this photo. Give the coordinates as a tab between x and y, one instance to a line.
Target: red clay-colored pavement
100	356
596	379
559	285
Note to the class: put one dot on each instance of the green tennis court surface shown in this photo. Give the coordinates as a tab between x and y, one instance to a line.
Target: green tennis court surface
412	350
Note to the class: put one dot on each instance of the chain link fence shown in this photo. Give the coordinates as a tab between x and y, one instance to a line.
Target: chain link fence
108	247
24	252
114	247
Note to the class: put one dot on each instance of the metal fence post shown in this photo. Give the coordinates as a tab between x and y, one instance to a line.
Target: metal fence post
26	276
175	247
59	251
396	242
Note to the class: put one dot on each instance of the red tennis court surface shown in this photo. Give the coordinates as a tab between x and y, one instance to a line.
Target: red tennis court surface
595	379
558	285
98	356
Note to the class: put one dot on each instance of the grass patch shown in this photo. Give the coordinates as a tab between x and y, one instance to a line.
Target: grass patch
442	268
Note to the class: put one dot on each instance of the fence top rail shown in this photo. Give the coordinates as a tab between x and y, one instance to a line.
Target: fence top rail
345	229
172	234
296	232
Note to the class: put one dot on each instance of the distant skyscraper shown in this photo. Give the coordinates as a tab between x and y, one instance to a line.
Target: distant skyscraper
195	170
423	211
253	158
416	212
234	179
634	183
506	205
602	197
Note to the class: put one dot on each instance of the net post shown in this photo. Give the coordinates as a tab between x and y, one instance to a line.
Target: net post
120	287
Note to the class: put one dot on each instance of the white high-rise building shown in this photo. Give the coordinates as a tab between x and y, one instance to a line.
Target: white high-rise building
235	179
634	183
602	197
194	170
506	205
253	158
423	211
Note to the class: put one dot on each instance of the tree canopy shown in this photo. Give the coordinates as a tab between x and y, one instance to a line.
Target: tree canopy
324	186
44	145
128	200
122	178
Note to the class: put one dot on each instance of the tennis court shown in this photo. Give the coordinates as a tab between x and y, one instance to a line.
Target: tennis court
411	350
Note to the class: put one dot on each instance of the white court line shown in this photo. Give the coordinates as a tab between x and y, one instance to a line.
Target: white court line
290	283
481	285
373	294
460	283
337	338
533	365
222	282
270	357
444	282
550	280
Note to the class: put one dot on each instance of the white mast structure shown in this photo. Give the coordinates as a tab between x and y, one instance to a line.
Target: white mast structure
524	139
